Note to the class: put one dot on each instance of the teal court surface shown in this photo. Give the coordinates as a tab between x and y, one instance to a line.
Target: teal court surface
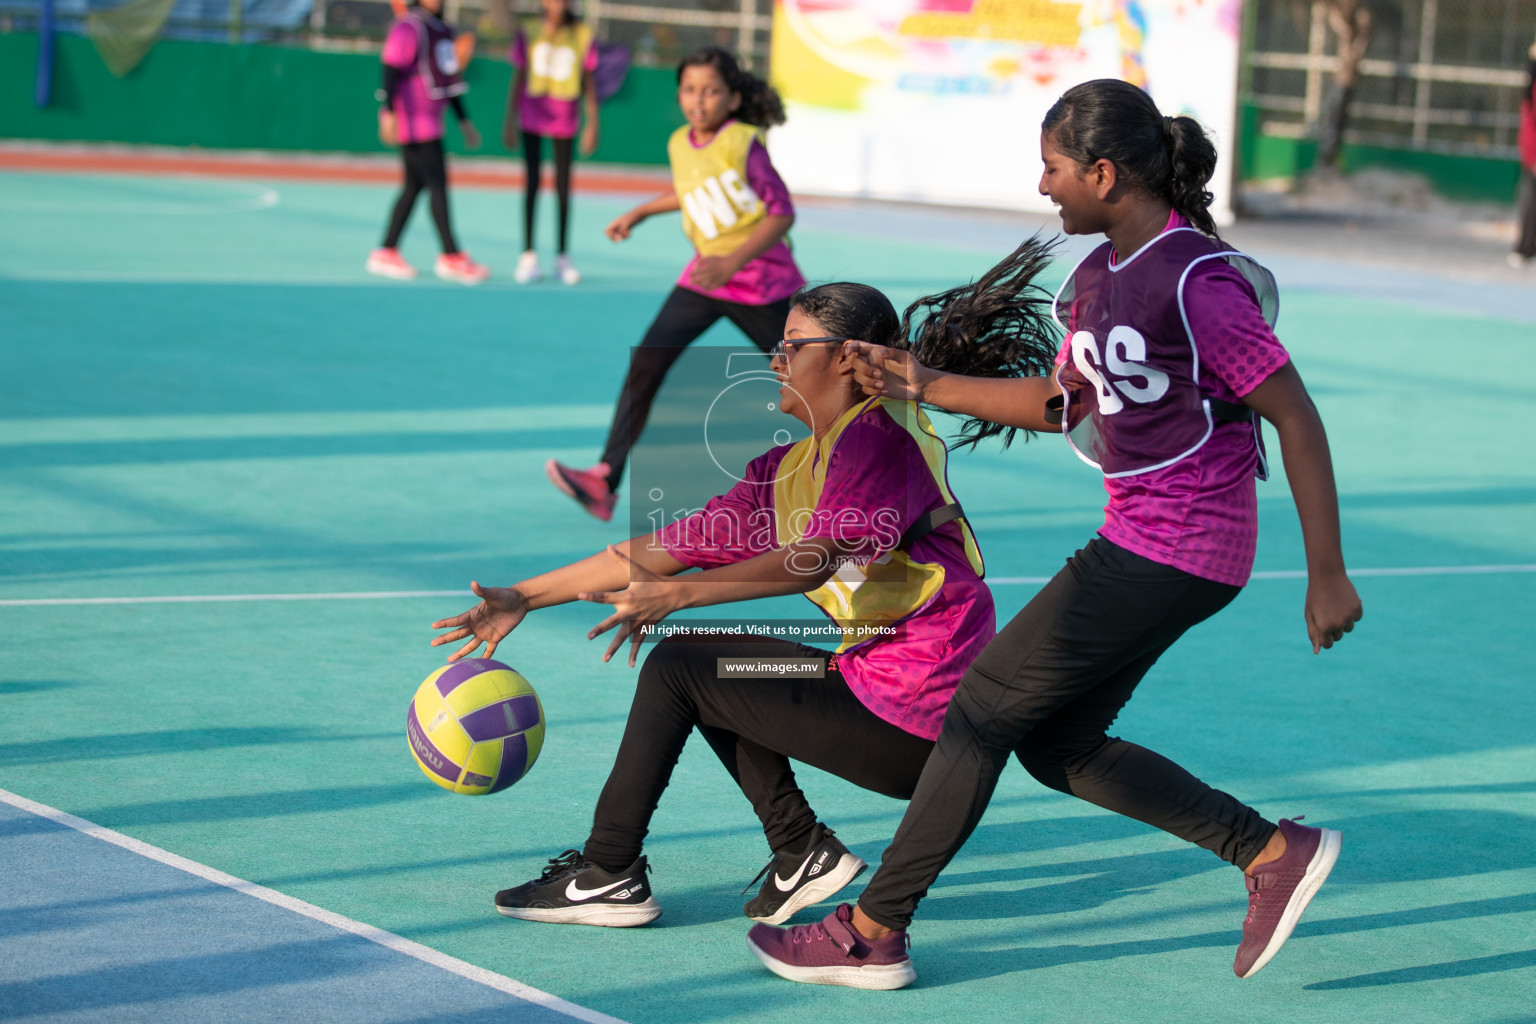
239	478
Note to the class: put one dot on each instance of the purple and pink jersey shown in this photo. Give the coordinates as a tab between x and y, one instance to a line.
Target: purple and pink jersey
876	466
418	115
1200	514
773	275
545	115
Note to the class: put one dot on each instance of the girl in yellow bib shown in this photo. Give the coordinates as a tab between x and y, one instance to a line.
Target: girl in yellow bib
554	59
737	213
860	518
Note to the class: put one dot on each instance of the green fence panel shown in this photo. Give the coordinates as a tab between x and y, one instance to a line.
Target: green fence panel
277	98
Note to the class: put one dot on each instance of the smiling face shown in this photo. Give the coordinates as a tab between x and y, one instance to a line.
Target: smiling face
1078	192
810	376
555	10
706	100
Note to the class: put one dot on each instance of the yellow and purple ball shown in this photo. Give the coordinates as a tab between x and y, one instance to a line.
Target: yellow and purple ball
475	726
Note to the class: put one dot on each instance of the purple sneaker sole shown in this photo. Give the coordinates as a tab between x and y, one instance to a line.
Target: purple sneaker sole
1322	862
879	977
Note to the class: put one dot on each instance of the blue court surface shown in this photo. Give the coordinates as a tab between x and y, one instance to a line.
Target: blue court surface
239	478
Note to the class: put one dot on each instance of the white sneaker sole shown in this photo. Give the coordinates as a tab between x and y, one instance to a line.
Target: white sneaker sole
605	915
394	273
1323	860
879	977
825	887
468	279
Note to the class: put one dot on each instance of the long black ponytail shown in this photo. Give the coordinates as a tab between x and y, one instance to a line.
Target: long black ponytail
998	326
760	103
1171	158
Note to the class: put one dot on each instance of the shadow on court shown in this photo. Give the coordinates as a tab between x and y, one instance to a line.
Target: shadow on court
1434	972
170	741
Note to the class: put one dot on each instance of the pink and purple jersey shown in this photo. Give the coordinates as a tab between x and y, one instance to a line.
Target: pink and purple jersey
773	275
419	117
1199	511
876	467
550	116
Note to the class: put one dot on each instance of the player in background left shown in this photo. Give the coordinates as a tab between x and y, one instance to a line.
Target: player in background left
421	77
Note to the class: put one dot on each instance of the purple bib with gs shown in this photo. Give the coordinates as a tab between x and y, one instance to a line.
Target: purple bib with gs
1130	383
436	60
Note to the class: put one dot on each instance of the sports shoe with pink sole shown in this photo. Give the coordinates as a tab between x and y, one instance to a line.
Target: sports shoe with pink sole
1279	891
459	267
831	952
389	263
588	486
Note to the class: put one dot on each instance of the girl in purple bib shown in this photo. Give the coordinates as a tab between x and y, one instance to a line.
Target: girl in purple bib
1168	357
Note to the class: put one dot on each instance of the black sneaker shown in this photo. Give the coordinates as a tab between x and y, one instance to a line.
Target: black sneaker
573	891
797	880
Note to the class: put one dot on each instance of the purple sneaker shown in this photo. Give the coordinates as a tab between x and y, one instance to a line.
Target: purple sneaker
1281	890
832	953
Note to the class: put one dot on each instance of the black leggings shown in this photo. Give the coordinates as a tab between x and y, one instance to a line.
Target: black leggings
1525	218
533	158
1047	688
754	725
683	317
424	168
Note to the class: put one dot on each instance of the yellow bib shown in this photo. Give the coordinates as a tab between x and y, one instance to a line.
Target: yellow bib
719	207
900	585
555	61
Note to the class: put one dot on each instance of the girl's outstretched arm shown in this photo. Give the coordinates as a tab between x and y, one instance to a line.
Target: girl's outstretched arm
1332	607
1010	401
646	598
502	608
712	272
590	130
625	222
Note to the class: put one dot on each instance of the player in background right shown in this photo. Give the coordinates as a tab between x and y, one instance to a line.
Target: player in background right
1525	243
1169	356
554	59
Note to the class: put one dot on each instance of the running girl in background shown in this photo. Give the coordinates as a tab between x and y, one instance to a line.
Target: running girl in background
1169	354
554	60
859	518
421	76
737	212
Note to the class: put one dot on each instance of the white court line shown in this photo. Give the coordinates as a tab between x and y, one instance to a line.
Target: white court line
389	940
357	595
384	595
1301	574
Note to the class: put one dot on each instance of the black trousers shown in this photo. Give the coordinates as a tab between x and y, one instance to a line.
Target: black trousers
1046	689
1525	219
754	725
683	317
533	161
424	168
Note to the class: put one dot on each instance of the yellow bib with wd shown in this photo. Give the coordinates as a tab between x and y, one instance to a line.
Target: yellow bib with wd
555	61
719	207
863	598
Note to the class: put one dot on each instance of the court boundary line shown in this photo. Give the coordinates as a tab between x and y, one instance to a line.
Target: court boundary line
378	936
386	595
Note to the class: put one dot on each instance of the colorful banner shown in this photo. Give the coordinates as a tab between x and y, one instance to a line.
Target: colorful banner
941	100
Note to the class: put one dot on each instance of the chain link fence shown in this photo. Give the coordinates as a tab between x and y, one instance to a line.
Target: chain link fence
1439	75
657	32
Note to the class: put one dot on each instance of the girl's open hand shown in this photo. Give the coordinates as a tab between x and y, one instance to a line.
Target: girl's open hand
589	138
646	601
889	372
711	272
389	130
489	622
1332	609
621	226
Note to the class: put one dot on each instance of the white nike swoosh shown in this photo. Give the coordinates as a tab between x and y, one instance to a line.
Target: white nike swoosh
576	893
784	885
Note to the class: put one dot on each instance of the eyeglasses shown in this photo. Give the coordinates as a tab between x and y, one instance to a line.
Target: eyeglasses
784	347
